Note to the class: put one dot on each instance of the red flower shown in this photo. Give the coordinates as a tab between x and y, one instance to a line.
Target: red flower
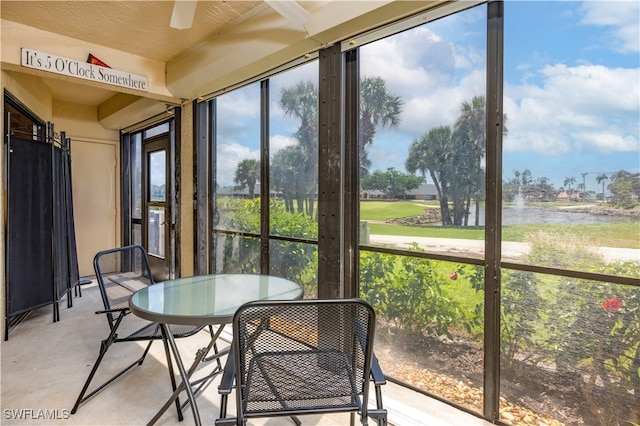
613	305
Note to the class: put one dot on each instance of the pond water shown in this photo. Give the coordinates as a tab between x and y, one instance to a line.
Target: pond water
521	215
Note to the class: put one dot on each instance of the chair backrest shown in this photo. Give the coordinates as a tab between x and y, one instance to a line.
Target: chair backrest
120	272
295	335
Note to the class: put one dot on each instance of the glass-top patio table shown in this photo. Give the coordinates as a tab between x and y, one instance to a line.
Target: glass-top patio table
204	300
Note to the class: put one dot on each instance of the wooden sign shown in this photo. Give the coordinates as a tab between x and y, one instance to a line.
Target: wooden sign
71	67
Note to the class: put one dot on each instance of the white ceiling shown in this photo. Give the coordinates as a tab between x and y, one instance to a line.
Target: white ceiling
137	27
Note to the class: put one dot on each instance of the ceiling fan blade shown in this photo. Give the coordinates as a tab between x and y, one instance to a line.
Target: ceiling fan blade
183	13
291	11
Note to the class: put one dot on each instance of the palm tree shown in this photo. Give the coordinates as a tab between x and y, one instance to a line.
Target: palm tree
430	154
526	178
601	178
301	101
289	178
568	183
377	108
247	175
454	158
471	127
584	183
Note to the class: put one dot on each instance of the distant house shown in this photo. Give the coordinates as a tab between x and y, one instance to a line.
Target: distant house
372	194
423	192
426	191
568	196
234	192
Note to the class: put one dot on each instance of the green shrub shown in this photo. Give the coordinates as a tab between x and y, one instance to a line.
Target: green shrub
407	293
292	260
590	330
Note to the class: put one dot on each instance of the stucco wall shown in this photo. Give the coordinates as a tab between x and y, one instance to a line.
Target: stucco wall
95	157
186	192
31	91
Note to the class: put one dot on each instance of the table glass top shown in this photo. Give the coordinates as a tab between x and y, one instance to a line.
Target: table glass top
208	299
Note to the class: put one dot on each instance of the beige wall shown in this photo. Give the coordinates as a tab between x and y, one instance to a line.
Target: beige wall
95	180
186	192
31	91
96	191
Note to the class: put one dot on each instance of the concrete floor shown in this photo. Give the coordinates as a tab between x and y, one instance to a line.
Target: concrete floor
44	365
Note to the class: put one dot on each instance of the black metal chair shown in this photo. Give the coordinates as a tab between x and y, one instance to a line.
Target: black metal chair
291	358
120	272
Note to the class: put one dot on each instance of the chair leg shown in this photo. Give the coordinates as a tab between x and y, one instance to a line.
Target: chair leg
144	354
216	353
104	347
379	414
223	406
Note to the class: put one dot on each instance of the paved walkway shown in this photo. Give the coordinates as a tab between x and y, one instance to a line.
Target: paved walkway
475	248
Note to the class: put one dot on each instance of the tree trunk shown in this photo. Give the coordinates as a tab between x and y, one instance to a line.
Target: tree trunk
477	221
458	212
300	201
310	203
467	208
444	205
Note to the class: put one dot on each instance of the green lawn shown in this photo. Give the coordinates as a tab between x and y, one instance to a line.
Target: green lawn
618	234
467	233
383	210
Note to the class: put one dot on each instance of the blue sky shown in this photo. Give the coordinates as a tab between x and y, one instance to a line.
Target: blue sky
571	89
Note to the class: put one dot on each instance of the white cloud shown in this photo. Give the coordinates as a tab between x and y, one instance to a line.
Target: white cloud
597	87
431	76
606	142
416	60
229	155
441	108
582	108
277	142
621	16
244	101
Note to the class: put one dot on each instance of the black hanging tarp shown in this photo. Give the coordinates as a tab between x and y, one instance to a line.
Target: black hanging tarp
30	226
66	273
41	255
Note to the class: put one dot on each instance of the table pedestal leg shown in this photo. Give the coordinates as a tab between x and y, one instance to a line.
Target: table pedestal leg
186	375
185	384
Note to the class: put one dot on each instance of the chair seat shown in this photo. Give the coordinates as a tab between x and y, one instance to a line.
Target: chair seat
290	358
153	331
120	273
300	380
